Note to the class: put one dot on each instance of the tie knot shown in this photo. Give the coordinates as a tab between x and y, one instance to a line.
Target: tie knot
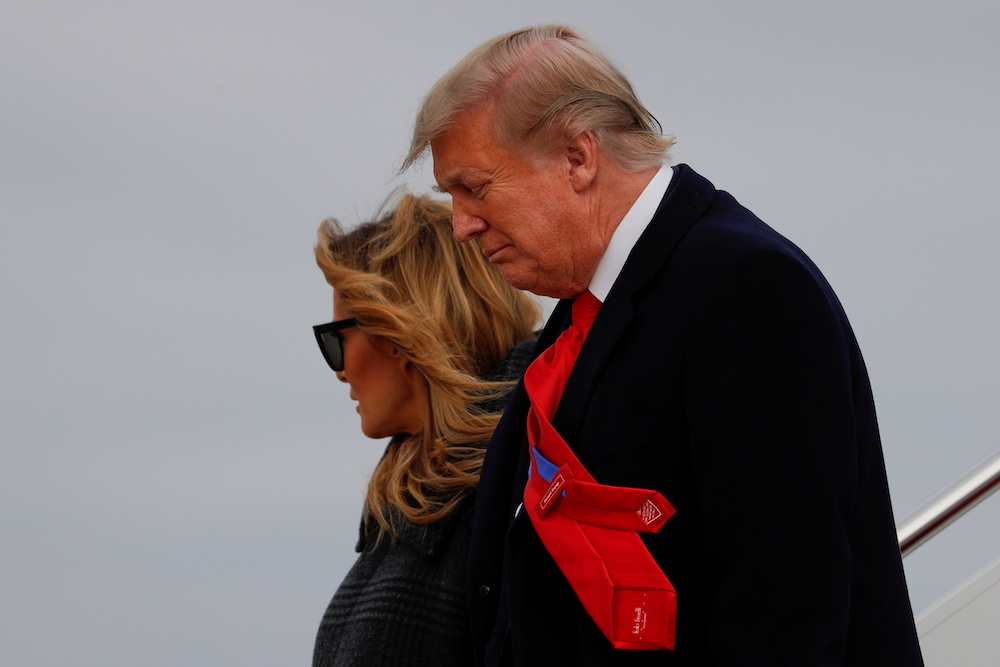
585	309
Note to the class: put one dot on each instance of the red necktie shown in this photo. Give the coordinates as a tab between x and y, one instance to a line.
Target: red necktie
592	530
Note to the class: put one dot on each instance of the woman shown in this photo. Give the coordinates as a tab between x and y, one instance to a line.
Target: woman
429	337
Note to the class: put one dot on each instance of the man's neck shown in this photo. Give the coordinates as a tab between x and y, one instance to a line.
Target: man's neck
617	192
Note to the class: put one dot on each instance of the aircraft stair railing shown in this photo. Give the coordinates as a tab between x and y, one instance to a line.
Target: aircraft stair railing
937	513
960	629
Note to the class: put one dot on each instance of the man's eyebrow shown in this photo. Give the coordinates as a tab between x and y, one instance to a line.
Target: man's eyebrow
447	181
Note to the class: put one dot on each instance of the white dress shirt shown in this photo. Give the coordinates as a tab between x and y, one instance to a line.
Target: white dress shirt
628	232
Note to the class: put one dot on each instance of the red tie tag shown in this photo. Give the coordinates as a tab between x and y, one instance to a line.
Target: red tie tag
555	488
653	513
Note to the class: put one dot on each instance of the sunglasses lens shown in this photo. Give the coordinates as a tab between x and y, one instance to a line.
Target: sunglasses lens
331	342
333	350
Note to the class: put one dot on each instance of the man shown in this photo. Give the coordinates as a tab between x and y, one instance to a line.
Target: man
720	379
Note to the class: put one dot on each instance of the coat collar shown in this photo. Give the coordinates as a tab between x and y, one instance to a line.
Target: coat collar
687	198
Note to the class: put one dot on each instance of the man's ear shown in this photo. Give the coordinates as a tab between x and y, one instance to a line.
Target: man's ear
581	155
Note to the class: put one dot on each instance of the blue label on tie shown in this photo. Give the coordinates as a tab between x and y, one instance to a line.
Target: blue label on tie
546	468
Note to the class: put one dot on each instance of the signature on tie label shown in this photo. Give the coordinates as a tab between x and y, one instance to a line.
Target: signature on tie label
639	623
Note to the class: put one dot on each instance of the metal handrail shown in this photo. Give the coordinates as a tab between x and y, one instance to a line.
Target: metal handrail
934	515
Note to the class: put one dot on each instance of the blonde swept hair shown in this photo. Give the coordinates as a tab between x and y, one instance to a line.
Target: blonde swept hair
449	312
545	84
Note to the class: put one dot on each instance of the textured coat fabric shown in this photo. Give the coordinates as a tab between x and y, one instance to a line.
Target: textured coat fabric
722	372
404	603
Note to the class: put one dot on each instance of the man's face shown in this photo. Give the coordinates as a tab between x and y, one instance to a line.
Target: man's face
522	209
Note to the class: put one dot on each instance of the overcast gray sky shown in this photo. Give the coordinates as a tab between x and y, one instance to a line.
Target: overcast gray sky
180	474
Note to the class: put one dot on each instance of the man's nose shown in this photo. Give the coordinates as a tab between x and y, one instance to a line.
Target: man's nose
342	376
466	225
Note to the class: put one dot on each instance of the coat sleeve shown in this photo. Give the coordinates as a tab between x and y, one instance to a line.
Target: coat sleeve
768	400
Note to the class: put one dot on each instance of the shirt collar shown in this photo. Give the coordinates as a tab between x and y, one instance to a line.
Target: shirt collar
627	233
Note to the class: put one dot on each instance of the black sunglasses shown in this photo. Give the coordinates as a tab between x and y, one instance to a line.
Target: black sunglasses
331	341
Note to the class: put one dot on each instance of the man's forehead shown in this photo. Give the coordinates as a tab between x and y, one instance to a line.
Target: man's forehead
462	151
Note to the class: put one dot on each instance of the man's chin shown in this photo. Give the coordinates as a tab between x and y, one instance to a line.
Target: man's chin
531	284
529	281
515	278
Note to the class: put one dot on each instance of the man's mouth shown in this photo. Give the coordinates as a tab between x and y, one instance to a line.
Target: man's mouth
491	254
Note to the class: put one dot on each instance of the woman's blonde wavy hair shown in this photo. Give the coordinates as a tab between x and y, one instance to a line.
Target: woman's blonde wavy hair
448	311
